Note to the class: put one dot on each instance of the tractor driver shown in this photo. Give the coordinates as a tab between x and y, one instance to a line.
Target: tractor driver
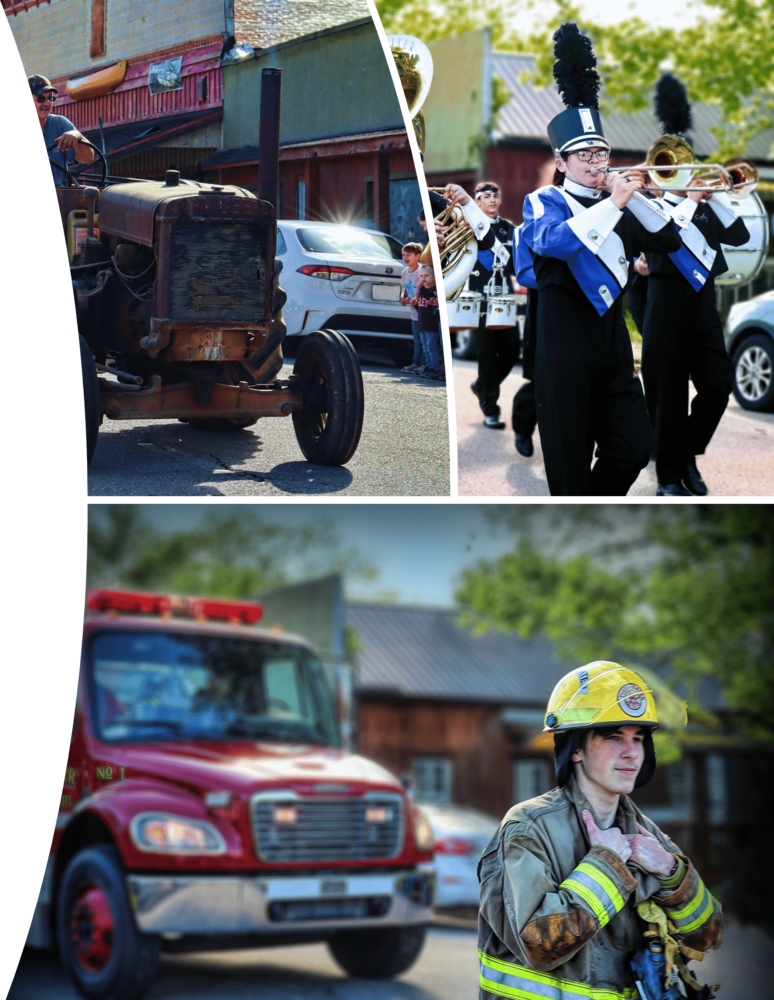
57	130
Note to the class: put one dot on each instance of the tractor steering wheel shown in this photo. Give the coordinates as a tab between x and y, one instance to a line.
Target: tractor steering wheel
73	170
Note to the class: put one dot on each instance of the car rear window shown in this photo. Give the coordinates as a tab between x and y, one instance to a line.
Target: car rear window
348	241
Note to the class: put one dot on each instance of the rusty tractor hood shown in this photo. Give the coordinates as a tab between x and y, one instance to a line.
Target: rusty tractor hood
129	211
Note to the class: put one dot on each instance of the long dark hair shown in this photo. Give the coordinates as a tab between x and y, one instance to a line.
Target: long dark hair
558	180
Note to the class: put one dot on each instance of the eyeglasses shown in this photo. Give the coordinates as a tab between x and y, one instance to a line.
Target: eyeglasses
42	98
587	155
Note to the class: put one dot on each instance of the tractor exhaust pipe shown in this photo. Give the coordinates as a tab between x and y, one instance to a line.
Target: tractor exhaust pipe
268	136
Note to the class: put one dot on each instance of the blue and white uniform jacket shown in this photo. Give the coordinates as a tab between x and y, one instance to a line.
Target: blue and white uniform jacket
523	261
592	238
703	227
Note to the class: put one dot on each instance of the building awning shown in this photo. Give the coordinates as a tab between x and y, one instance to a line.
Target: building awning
341	145
121	140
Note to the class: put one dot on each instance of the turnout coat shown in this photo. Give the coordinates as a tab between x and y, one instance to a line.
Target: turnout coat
558	918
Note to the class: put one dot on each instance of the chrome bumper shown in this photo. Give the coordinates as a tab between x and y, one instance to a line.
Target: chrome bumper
210	904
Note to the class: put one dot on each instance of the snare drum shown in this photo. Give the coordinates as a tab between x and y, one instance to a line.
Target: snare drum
500	312
464	311
745	262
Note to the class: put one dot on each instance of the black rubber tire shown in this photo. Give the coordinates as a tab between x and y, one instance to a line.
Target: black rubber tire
327	360
762	347
378	954
131	967
466	347
402	352
90	398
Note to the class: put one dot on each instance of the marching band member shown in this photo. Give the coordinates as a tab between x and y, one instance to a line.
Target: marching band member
498	350
683	335
582	238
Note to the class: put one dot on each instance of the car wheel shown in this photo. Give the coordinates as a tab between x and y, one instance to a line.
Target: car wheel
101	949
466	347
328	428
90	399
377	954
754	373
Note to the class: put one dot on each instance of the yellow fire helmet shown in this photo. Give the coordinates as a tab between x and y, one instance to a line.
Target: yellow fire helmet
600	694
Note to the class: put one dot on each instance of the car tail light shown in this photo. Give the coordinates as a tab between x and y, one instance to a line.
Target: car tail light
130	602
455	845
324	271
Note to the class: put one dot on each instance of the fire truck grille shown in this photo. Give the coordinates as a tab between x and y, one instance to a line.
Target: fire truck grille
322	830
219	272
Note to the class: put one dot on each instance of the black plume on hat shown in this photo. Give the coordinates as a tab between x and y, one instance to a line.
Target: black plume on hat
672	107
574	72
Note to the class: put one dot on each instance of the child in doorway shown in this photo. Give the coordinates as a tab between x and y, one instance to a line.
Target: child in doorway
426	303
409	280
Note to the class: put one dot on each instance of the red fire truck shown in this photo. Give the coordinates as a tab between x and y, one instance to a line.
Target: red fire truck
208	803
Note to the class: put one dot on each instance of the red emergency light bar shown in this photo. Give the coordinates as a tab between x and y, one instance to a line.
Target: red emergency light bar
183	607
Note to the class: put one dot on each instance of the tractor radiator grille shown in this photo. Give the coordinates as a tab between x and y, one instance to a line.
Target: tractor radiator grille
320	830
219	272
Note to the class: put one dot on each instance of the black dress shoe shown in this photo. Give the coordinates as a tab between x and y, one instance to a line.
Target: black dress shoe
672	490
494	423
693	481
524	445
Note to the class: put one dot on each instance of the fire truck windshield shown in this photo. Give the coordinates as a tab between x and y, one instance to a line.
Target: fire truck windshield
151	686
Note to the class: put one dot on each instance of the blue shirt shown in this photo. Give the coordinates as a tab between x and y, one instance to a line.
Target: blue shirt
55	126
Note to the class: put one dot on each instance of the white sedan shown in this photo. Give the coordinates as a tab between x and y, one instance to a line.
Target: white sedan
344	278
461	835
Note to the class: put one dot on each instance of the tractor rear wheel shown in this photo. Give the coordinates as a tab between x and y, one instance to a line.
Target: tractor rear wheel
90	398
328	428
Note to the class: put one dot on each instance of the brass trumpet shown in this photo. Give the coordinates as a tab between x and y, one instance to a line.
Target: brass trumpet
457	246
669	166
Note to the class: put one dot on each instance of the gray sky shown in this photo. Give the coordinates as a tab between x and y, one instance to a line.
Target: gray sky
419	548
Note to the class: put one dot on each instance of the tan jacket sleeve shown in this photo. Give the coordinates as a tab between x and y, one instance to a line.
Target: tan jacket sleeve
542	922
693	910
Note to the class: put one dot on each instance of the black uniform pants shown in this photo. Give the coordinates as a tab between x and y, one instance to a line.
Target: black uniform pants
498	352
683	339
587	391
524	413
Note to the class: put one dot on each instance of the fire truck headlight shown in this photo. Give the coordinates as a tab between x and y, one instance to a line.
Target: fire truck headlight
160	833
423	832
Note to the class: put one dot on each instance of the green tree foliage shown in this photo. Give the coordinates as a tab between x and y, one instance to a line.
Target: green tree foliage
231	554
691	589
725	59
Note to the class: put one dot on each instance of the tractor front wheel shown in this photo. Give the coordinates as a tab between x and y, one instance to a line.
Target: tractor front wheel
328	428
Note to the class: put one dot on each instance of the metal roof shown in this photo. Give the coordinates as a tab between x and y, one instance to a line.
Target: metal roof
422	652
149	132
266	23
524	118
419	652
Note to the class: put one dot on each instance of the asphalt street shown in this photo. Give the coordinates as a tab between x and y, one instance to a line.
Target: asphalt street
447	969
739	461
403	451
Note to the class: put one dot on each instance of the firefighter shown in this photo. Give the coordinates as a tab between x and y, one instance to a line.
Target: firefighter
562	877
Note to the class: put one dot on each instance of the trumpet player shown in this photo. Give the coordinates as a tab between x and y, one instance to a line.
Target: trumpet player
683	334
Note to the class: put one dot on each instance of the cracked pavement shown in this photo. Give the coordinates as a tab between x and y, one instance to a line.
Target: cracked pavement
403	451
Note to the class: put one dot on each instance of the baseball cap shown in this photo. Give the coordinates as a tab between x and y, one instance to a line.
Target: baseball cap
40	84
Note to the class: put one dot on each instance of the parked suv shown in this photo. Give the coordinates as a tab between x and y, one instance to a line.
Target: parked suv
208	803
750	342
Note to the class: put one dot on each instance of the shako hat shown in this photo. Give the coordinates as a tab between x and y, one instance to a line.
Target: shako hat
672	108
579	126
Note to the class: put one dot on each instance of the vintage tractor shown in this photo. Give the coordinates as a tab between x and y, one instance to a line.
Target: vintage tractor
178	299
